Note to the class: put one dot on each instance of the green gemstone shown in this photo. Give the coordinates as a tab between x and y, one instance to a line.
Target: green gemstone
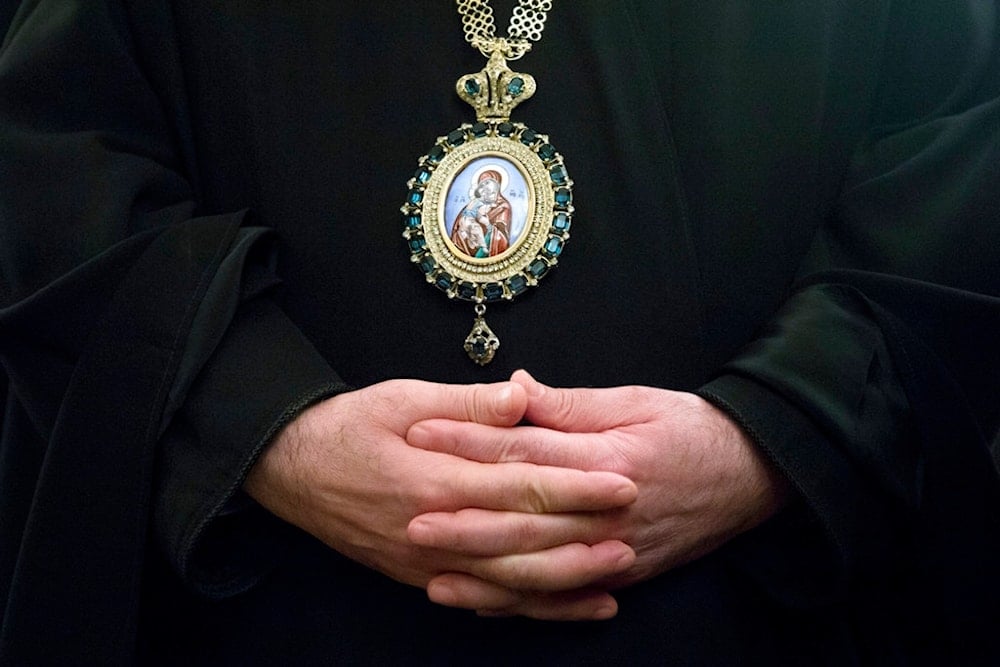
493	292
558	174
427	264
518	284
538	268
436	154
444	281
554	246
467	291
561	222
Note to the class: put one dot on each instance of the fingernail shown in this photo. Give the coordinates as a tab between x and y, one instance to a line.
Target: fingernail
443	594
417	531
504	401
626	560
605	612
627	493
417	435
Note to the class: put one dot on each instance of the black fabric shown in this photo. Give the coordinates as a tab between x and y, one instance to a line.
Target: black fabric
7	11
788	207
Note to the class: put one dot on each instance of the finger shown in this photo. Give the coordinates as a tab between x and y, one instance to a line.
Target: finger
477	532
563	568
586	605
525	487
499	404
490	444
488	599
577	410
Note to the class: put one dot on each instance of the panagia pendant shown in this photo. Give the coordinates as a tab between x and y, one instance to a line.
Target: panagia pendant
490	208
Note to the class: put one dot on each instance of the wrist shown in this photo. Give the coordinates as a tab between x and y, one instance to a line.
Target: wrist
760	489
274	481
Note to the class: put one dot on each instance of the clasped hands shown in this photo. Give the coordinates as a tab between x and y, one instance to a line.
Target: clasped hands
443	487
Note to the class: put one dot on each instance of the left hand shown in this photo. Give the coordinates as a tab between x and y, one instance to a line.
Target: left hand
701	482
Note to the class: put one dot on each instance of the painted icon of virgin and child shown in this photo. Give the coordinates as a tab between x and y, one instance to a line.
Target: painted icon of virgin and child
487	225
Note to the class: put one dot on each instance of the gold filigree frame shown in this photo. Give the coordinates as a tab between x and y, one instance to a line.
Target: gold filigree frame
536	250
539	213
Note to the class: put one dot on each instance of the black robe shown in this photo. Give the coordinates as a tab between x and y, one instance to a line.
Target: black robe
789	208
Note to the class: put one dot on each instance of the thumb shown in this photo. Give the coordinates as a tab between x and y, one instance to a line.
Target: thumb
576	410
500	404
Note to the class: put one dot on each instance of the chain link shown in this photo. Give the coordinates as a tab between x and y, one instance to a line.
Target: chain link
528	20
477	20
526	23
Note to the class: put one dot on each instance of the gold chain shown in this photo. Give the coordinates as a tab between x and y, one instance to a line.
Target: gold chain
526	25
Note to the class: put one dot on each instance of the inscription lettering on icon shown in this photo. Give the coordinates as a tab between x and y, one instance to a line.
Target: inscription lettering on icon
486	209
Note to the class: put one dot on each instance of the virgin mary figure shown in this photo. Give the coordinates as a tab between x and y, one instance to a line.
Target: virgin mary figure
482	228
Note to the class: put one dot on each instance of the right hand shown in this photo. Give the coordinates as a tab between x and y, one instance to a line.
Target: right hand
342	471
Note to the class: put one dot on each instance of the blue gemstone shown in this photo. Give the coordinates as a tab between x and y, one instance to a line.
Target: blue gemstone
479	347
457	138
418	243
416	196
428	264
561	222
422	175
467	291
505	129
564	196
546	152
553	247
472	87
413	221
518	284
516	86
444	281
436	154
538	268
529	137
493	292
480	129
558	174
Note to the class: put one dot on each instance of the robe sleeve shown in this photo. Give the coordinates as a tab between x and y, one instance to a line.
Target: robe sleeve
874	389
132	322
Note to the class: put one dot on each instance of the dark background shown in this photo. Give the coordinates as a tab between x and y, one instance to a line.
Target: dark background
7	9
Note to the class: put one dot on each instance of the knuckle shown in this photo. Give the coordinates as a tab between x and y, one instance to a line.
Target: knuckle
518	574
473	403
510	448
612	459
634	394
387	399
536	496
495	450
437	493
565	405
